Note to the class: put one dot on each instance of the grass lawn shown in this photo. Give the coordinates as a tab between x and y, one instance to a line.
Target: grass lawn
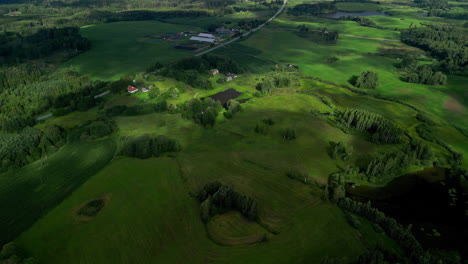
120	48
30	192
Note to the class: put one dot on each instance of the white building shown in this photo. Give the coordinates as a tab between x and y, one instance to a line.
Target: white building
206	35
201	39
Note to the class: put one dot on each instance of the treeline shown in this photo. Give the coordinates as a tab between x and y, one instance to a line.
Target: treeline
367	80
424	74
12	254
446	43
216	198
362	21
312	9
195	71
64	89
389	165
203	112
15	48
380	129
410	245
432	4
146	146
28	145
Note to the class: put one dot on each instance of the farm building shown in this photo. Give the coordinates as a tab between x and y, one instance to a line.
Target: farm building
206	35
132	89
202	39
222	31
214	71
145	90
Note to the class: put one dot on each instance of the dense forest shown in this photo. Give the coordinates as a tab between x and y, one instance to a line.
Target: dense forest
22	98
446	43
15	48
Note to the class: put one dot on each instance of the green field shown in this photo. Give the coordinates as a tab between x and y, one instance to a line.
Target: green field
30	192
121	48
170	230
151	213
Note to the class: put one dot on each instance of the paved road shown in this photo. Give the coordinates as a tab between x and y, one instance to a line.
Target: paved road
245	34
102	94
43	117
49	115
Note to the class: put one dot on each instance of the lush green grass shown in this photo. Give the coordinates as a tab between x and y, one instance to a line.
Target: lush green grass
150	217
120	48
28	193
232	228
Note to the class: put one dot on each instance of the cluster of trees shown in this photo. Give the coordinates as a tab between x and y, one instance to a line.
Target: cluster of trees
367	80
380	129
91	130
288	133
322	35
14	47
264	127
146	146
12	254
362	21
233	107
339	150
217	198
30	144
195	71
432	4
393	164
312	9
203	112
389	165
424	74
277	80
447	43
24	99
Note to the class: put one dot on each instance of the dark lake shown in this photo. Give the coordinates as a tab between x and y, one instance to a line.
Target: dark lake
434	205
339	14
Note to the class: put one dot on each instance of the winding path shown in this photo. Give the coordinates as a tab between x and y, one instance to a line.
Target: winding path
245	34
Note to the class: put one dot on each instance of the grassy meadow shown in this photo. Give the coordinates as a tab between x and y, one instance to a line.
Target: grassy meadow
30	192
151	214
121	48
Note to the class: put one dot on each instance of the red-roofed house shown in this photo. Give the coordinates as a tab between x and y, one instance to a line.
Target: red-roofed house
132	89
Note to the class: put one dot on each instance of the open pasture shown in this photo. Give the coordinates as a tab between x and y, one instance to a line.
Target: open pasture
121	48
170	230
30	192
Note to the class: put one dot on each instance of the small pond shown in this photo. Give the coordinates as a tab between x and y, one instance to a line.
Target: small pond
433	204
339	14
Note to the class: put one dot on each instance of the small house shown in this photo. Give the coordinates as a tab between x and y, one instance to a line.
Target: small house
145	90
132	89
214	71
235	30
